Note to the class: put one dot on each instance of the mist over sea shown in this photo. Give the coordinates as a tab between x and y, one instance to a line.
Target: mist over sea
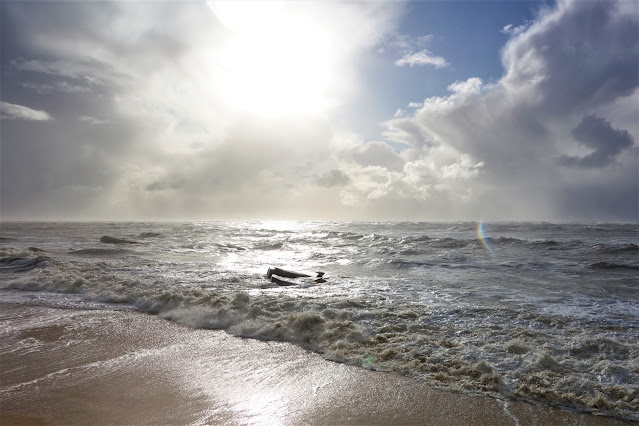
539	312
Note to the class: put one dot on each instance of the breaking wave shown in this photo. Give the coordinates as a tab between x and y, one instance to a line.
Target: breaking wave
22	262
500	352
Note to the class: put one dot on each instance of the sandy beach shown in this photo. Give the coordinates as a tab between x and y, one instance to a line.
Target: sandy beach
79	367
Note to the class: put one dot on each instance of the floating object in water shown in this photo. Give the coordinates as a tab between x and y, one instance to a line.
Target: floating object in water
282	282
284	273
271	272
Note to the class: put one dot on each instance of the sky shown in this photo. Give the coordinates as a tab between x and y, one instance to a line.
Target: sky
419	111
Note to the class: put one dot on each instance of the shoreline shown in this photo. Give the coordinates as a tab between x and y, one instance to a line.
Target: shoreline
64	366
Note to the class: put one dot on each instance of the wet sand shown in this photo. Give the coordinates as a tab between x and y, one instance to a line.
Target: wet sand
75	367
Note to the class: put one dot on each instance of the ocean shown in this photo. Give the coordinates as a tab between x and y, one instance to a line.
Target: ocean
540	312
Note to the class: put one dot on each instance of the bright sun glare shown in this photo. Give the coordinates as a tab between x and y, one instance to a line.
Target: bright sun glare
277	60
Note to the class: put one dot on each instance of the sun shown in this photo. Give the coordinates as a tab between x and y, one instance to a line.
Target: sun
275	59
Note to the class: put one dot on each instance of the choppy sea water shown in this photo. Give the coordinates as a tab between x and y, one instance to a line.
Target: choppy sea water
546	313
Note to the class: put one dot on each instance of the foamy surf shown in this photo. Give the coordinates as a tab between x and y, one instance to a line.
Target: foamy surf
117	367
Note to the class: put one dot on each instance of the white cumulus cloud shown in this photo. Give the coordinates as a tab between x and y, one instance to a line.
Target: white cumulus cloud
510	29
423	57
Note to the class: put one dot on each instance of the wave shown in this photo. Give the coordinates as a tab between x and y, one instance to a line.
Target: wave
450	243
415	239
616	248
425	244
379	313
505	240
112	240
270	246
375	238
148	235
229	246
430	241
408	264
98	252
490	351
545	243
19	263
610	265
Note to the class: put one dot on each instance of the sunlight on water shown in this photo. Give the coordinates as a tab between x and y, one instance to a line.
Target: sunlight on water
283	225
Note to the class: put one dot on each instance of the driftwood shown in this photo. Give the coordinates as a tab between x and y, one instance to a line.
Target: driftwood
282	283
270	274
284	273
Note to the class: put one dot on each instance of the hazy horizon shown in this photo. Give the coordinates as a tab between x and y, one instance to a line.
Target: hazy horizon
282	222
360	111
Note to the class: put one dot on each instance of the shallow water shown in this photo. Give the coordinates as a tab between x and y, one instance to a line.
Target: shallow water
539	312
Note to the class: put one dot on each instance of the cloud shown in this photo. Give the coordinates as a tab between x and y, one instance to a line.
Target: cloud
93	120
563	66
374	153
389	182
333	178
491	149
175	145
82	69
175	148
597	134
407	41
163	185
412	50
423	57
56	87
19	112
510	29
464	168
471	86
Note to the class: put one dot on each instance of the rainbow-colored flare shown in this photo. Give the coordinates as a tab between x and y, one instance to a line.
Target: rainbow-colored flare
481	234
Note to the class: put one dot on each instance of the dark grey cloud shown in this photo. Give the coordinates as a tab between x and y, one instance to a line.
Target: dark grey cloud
606	142
614	198
579	56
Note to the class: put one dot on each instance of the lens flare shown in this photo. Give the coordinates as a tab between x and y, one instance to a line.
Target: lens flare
481	234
